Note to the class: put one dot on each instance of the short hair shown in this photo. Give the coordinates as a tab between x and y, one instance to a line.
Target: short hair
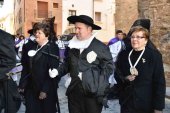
21	36
140	28
42	26
119	31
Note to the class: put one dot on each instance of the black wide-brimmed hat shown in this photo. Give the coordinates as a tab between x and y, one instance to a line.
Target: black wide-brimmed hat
84	19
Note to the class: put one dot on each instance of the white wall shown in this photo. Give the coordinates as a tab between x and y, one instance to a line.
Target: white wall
81	7
106	7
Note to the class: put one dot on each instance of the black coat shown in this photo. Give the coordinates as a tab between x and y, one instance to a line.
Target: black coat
40	81
25	61
147	91
9	97
7	53
94	74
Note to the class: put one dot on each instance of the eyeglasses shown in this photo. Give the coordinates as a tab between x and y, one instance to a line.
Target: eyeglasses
137	37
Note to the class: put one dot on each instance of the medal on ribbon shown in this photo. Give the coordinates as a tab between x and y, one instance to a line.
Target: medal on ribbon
31	53
133	70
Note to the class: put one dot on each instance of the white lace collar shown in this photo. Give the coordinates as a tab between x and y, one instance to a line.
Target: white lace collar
78	44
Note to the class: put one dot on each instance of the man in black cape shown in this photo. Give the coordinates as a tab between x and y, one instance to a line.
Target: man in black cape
8	88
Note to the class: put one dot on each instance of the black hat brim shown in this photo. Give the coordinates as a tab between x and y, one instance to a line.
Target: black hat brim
74	19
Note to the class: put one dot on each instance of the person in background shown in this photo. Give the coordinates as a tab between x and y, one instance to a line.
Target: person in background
20	45
116	45
62	48
41	94
141	73
124	36
17	40
8	88
89	63
25	80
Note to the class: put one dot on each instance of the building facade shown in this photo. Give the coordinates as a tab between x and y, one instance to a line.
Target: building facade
102	12
7	16
155	10
28	12
74	7
126	14
158	12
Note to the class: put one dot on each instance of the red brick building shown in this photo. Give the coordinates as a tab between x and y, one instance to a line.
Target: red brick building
28	12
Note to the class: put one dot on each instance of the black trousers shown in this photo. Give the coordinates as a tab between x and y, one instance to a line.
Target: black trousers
34	105
129	107
9	96
79	103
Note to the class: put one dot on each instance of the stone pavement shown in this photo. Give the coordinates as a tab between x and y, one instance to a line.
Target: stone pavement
113	104
168	92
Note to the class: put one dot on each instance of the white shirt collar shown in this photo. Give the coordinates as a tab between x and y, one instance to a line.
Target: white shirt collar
32	37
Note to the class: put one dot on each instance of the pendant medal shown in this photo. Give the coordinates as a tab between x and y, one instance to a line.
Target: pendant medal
133	71
31	53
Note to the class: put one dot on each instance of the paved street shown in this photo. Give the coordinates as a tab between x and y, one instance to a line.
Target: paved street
113	105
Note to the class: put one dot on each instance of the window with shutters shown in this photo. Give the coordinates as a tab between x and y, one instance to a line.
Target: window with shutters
55	5
42	9
98	16
71	13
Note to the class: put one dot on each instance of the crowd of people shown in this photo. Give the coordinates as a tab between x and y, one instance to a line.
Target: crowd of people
131	63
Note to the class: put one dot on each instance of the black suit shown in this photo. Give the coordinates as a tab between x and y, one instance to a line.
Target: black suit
94	77
8	88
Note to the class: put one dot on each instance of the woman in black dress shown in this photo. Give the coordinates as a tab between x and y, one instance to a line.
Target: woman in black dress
41	95
141	73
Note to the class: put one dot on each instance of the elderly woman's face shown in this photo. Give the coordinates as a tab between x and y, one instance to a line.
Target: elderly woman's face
40	37
138	40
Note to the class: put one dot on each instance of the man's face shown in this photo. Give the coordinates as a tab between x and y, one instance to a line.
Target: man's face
83	31
120	35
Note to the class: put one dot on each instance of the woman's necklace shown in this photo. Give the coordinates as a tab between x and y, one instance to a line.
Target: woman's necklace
32	53
133	70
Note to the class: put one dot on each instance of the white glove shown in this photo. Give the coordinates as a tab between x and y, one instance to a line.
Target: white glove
53	73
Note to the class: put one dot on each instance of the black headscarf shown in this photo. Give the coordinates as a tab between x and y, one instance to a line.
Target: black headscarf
145	23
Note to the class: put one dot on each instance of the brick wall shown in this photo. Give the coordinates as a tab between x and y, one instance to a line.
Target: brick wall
158	12
127	11
126	14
